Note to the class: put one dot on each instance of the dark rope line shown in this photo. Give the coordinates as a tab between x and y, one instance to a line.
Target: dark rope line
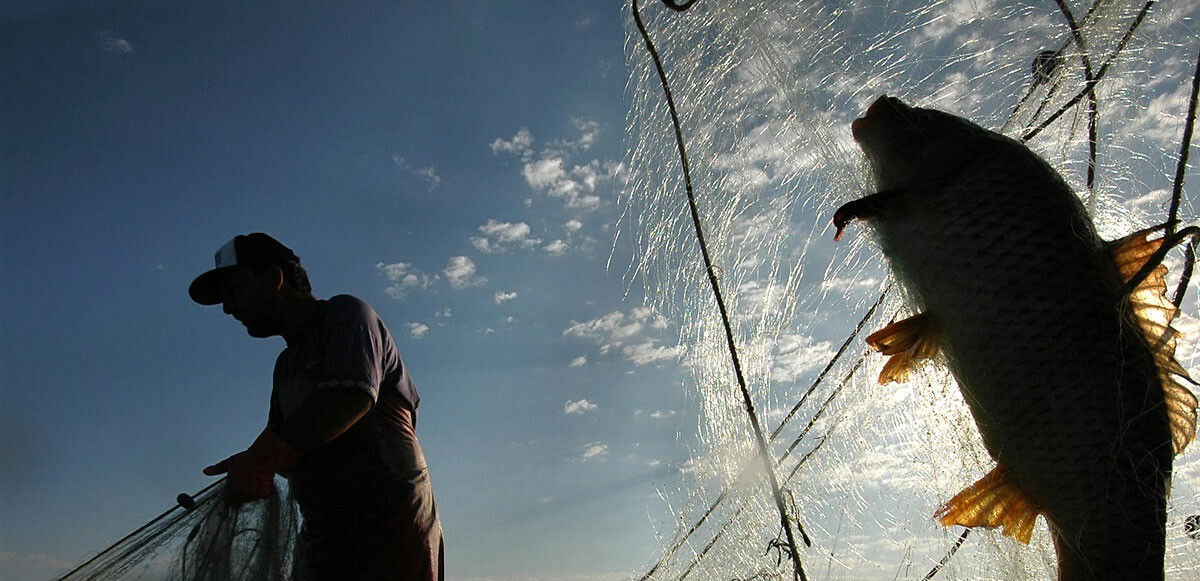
720	533
946	560
1189	262
829	366
803	459
1093	106
1038	82
764	451
670	552
1184	148
136	532
1090	85
825	405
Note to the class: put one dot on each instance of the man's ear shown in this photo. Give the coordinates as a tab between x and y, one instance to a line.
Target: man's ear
274	276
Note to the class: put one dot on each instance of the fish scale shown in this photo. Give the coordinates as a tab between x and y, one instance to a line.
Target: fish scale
1016	289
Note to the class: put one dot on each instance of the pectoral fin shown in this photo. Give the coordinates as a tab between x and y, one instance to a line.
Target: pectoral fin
993	501
863	208
906	343
1154	313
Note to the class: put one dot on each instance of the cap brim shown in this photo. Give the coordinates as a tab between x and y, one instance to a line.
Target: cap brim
206	289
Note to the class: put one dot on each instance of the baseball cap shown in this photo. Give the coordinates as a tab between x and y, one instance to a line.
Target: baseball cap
256	250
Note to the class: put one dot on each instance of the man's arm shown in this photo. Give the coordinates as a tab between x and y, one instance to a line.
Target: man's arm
325	415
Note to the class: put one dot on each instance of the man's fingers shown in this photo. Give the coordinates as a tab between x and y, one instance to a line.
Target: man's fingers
218	468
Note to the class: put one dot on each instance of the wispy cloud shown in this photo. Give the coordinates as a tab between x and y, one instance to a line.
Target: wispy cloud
649	352
552	173
499	236
579	361
521	144
795	355
114	44
659	414
460	272
418	330
502	297
617	330
556	248
403	277
427	174
578	407
595	451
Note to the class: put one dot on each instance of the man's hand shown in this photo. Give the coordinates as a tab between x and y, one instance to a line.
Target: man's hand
252	472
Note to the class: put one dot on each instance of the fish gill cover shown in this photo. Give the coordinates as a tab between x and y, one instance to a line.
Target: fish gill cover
765	93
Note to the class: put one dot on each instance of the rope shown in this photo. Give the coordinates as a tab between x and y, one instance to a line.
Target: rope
181	503
946	560
1181	169
763	450
1091	84
1093	106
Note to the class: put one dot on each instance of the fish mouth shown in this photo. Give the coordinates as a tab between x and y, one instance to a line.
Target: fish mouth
861	128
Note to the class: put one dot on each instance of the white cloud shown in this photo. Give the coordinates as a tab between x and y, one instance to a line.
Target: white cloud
497	236
794	355
849	283
556	248
595	451
445	313
588	130
551	173
484	245
418	330
520	144
114	44
505	231
544	173
427	174
617	330
403	277
502	297
579	361
578	407
647	352
431	177
659	414
572	226
460	271
575	187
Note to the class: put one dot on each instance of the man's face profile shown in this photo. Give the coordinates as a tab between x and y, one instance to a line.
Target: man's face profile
252	298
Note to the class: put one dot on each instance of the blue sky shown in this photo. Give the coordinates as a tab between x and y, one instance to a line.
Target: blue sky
459	165
452	163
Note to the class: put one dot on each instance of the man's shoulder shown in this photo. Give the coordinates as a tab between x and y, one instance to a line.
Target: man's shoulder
344	307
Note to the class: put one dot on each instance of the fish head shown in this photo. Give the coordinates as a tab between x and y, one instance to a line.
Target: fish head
911	145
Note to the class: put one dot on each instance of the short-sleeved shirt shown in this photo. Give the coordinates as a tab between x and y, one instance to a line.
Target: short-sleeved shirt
347	347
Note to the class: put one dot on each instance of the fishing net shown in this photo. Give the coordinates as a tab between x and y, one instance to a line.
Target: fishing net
765	93
204	538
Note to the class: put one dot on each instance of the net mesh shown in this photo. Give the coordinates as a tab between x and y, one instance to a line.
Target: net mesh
204	539
765	93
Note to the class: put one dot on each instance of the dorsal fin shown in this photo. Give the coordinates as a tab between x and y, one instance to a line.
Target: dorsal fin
993	501
1154	313
906	343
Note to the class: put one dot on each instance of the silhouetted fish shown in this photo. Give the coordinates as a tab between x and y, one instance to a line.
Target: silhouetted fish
1069	373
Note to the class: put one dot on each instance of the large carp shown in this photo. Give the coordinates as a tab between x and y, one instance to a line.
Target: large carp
1066	363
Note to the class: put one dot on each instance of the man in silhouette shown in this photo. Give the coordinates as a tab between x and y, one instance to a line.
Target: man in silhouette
341	422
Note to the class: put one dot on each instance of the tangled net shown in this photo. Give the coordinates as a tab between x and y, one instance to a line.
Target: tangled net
204	538
765	93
